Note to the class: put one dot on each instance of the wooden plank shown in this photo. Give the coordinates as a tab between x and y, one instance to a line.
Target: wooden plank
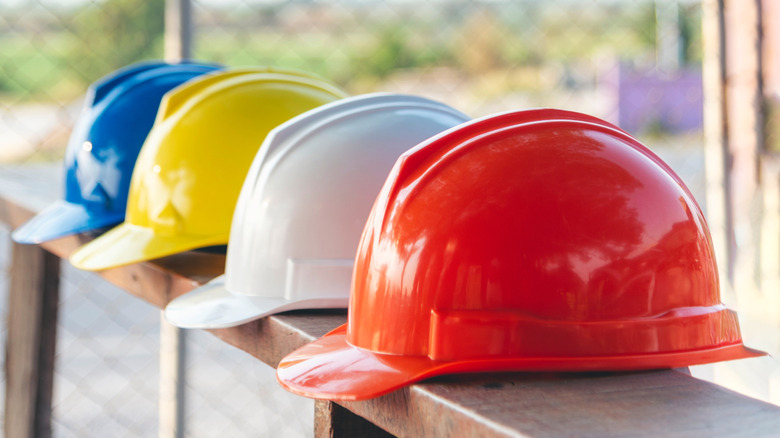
770	159
642	404
47	347
745	131
770	234
656	403
770	58
30	347
32	309
715	137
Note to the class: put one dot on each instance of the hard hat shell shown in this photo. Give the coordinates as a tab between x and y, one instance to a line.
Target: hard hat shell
189	173
530	240
303	207
118	113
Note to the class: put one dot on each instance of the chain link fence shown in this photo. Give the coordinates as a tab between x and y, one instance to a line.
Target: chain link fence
107	371
635	63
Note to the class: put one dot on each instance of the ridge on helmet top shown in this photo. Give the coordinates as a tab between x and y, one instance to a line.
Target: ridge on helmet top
182	95
118	112
104	85
190	169
422	153
539	240
121	77
293	133
304	204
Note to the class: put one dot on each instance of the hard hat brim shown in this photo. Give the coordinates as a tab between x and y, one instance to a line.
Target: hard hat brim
331	368
214	306
62	219
127	243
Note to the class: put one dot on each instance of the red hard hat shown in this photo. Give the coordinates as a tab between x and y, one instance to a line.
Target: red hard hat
530	240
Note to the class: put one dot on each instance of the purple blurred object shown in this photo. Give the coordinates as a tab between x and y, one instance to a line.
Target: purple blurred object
655	101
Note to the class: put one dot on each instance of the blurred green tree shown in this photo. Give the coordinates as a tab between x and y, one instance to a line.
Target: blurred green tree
691	34
113	35
480	42
391	52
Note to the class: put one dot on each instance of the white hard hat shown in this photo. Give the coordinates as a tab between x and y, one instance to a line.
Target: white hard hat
303	207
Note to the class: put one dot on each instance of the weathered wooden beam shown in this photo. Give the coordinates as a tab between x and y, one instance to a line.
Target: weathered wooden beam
30	346
770	234
716	156
770	159
745	131
642	404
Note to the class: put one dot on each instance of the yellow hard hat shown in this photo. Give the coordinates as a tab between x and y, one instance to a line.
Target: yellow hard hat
189	172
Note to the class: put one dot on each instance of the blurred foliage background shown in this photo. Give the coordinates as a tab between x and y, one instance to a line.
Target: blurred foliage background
54	51
479	56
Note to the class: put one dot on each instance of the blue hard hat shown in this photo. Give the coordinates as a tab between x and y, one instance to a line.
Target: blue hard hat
118	114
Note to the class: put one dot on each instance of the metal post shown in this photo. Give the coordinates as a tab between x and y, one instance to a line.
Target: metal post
178	46
178	29
172	380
